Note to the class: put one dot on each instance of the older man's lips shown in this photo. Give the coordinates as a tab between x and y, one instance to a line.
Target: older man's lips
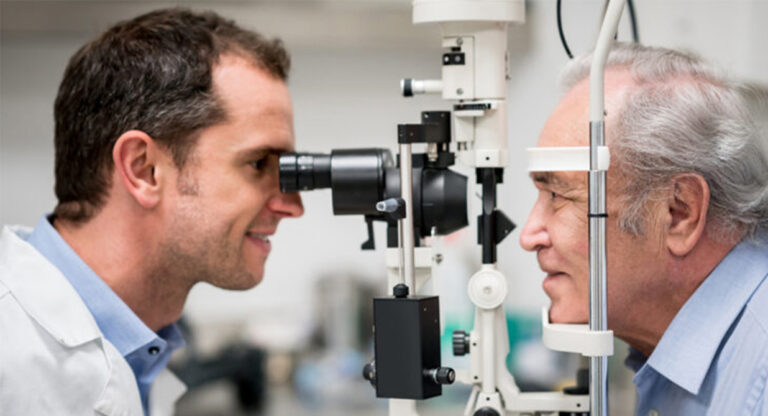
552	278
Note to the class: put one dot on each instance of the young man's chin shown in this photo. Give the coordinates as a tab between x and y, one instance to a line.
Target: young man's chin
244	281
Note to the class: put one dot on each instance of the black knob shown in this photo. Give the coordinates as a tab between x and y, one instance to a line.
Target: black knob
441	375
460	342
400	291
369	372
445	375
407	87
485	411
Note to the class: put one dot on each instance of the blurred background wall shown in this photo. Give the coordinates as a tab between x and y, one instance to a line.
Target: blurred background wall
348	58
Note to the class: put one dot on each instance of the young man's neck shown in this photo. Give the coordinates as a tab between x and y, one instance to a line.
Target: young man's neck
120	253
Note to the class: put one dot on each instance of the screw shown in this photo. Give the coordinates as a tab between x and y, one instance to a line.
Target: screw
459	41
438	258
459	91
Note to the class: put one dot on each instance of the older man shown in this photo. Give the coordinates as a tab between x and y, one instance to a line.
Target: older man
168	130
687	246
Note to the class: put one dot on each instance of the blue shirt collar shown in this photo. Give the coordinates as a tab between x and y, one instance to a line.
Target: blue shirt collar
146	352
115	319
689	345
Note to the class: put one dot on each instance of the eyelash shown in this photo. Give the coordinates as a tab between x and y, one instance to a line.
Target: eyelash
258	164
555	195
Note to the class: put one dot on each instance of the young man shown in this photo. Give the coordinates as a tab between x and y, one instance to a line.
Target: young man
168	131
687	215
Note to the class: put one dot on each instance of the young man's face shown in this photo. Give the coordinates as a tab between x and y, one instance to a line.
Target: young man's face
227	202
557	228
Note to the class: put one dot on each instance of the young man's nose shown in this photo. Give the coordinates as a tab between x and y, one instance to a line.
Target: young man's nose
534	234
287	204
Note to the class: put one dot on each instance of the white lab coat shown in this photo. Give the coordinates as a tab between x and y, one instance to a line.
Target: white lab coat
54	360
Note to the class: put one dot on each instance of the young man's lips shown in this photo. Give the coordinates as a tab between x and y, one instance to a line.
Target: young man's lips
260	240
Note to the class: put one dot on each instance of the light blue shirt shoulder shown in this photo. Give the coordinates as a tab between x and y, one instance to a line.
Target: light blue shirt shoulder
713	357
145	351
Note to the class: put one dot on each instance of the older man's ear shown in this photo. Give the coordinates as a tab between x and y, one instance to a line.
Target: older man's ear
685	209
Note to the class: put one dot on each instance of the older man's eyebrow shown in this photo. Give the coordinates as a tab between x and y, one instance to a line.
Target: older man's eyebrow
546	178
550	179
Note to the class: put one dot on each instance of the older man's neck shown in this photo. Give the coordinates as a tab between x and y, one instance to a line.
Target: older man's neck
119	252
644	327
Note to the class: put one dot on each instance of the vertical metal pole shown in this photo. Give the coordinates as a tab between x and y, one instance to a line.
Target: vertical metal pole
406	192
598	320
598	368
405	407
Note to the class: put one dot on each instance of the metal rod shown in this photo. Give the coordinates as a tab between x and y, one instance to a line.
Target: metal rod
598	319
401	270
597	70
406	193
488	221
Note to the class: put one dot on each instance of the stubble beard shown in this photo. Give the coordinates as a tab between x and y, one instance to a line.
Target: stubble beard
193	251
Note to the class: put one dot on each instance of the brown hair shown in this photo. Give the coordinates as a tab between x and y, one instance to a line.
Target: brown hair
151	73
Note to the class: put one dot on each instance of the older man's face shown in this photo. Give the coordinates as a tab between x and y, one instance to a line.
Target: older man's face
557	228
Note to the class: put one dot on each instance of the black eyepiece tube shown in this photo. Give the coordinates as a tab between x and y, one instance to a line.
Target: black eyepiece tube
356	177
304	171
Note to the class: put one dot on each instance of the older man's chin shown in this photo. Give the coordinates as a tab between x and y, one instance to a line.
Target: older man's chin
562	313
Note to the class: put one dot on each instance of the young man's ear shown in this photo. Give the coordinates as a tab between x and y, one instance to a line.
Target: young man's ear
687	206
137	158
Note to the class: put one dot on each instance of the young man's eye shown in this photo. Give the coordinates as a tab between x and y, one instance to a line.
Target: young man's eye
259	164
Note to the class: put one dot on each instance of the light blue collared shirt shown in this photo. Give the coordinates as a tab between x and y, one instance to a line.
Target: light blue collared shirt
713	357
145	351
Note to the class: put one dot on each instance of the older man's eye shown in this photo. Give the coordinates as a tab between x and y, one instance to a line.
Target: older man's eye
557	198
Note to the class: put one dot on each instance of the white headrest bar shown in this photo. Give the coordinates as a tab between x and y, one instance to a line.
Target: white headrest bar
558	159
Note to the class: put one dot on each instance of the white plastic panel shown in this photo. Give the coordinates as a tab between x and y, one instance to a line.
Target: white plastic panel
430	11
459	80
558	159
575	338
548	402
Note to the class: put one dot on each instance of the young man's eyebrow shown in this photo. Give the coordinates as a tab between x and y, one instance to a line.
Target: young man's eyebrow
261	151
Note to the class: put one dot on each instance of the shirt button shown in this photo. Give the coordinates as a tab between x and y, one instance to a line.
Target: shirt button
154	350
653	412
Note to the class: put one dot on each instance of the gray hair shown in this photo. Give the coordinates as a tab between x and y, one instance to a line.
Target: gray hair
684	117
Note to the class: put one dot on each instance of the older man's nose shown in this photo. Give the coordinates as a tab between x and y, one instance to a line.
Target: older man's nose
534	234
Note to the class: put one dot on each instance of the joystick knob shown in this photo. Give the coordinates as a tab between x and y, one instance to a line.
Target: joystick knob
460	343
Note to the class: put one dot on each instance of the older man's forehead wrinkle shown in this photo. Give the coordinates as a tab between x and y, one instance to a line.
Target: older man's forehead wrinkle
558	181
548	178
